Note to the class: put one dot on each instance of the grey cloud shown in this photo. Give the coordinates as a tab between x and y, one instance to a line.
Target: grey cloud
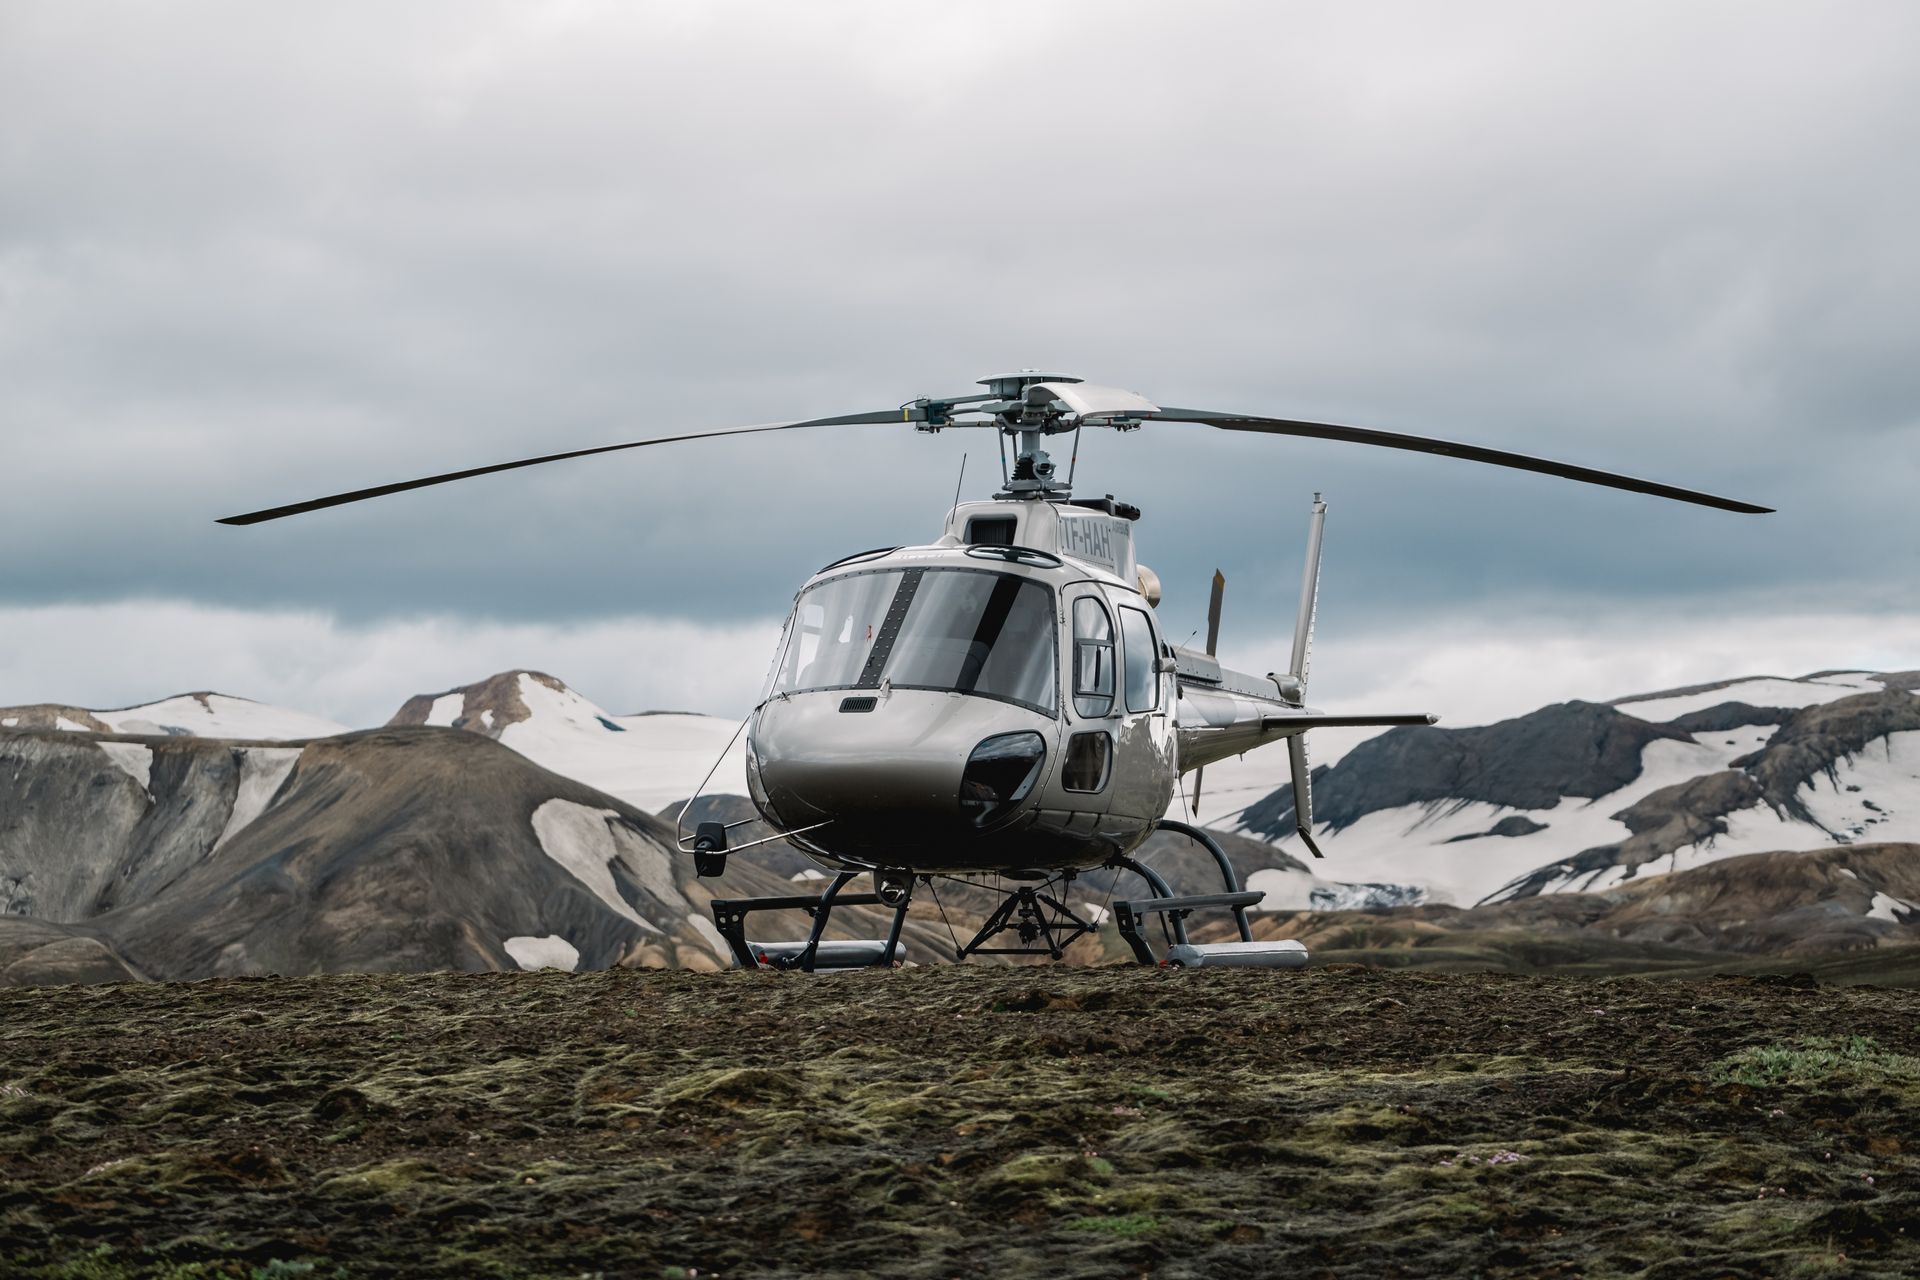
252	255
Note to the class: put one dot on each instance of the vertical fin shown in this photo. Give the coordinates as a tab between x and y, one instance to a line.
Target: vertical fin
1302	655
1302	792
1309	594
1213	639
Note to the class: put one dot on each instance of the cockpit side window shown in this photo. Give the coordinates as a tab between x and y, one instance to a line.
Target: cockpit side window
1092	658
1143	682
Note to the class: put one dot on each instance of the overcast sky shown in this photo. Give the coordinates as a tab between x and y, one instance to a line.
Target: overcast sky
253	253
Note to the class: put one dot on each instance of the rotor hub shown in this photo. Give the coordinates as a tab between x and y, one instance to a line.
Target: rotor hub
1012	386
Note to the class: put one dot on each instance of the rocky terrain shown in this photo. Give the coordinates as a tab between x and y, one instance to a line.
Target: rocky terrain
1584	796
949	1121
512	824
388	849
1848	914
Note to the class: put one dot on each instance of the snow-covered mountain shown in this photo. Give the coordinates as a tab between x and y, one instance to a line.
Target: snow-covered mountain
200	715
1584	796
650	760
1574	797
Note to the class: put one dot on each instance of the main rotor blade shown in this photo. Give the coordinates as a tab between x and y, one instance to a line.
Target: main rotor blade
1447	448
908	414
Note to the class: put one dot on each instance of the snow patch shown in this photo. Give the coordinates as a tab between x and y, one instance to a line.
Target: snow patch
580	840
653	761
1889	908
710	935
9	722
218	715
61	722
1286	888
135	759
549	952
446	709
262	771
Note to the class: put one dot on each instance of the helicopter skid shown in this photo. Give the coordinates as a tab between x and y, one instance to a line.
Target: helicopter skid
1131	914
816	954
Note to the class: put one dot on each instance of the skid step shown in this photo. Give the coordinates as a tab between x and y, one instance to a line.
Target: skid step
1286	954
852	953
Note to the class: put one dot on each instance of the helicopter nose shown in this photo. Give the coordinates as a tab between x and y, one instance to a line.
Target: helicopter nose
911	760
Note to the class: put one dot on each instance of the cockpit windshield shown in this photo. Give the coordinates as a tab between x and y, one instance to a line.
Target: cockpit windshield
969	631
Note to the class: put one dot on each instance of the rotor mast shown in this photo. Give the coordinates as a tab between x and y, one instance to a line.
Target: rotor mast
1029	423
1029	406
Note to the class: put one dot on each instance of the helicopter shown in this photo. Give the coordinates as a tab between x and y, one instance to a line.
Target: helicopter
1001	707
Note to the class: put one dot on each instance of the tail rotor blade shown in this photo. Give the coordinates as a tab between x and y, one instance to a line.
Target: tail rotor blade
1213	639
1213	611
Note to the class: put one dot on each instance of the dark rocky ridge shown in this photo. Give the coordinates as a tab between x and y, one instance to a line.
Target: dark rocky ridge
1661	823
1729	715
1580	749
1509	827
1819	737
79	835
1812	741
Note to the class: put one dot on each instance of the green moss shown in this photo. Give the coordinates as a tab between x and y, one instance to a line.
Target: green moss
1119	1224
384	1180
518	1127
1815	1060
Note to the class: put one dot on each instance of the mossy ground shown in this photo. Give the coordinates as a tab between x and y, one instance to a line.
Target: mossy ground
958	1122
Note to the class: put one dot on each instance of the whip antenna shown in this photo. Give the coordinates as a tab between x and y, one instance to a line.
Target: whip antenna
955	509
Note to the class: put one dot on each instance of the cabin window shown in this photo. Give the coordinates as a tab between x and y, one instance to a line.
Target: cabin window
1088	762
1143	682
1093	675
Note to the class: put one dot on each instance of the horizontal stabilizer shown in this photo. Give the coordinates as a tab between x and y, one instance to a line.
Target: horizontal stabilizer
1312	720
